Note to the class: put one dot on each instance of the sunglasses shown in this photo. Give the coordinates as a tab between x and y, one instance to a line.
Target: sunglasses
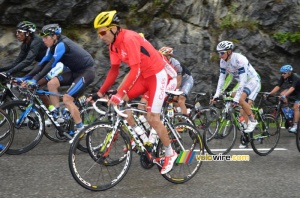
283	73
103	33
43	34
222	52
20	31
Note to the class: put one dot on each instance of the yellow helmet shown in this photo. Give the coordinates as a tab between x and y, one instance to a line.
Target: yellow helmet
166	51
106	19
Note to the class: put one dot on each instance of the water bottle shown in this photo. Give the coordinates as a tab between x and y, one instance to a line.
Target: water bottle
178	109
170	110
53	111
141	134
197	105
291	114
286	112
144	121
153	136
188	111
66	113
261	111
243	123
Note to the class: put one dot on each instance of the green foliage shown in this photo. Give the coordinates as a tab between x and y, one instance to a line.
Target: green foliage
283	37
230	21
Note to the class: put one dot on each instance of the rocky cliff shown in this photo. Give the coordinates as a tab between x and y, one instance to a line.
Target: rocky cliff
192	27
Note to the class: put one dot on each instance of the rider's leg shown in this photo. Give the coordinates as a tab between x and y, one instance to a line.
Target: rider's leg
53	86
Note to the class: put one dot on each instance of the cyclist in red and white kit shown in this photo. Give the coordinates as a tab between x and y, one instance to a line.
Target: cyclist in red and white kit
146	73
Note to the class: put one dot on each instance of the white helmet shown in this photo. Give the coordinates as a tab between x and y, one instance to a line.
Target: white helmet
225	45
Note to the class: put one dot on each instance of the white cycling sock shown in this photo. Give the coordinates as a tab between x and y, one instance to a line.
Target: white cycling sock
168	150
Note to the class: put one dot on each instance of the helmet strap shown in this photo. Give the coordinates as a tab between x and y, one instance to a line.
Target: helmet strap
228	55
115	34
27	37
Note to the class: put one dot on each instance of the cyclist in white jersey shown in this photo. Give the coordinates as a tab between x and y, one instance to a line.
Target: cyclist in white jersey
249	81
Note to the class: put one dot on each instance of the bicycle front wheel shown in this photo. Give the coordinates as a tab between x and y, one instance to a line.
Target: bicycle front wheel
207	115
222	139
104	166
29	132
189	147
6	132
265	137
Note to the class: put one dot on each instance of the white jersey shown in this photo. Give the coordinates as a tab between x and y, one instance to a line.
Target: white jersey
242	71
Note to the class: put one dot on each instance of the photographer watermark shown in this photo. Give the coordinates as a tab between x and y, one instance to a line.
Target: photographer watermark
187	157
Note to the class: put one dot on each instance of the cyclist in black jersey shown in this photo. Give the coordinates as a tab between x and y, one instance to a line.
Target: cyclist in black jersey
293	79
63	52
32	48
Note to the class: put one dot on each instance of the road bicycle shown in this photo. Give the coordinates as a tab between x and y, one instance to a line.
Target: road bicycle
6	132
284	120
28	117
107	163
277	109
263	139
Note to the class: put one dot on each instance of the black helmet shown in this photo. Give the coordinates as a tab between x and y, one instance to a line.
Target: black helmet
50	30
27	26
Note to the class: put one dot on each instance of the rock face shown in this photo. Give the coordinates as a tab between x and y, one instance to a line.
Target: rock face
192	27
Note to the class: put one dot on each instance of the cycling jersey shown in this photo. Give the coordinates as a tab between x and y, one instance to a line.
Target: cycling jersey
181	70
33	51
293	80
134	50
187	81
67	52
242	71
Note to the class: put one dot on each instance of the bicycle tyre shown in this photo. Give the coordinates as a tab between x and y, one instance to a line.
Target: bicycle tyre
179	117
190	138
89	116
28	135
6	133
264	139
206	115
92	170
298	138
222	139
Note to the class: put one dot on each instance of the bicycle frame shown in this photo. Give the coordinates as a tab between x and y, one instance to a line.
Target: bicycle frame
122	122
33	96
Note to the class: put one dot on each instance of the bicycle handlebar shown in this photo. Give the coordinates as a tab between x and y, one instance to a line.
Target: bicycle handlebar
119	112
96	108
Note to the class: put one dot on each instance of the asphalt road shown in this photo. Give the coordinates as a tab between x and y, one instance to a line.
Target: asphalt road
44	172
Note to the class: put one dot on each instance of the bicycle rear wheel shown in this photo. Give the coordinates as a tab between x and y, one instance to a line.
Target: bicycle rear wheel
188	148
28	133
222	139
6	132
265	137
102	167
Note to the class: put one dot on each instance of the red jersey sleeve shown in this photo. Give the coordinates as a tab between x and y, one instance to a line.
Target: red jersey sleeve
110	78
133	75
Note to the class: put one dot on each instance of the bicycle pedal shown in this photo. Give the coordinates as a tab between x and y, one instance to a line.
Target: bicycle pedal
157	162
